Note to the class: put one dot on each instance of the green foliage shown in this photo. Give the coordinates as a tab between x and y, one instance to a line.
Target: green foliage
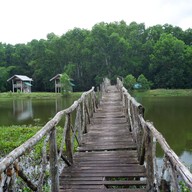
167	62
183	187
13	136
66	86
164	93
129	81
145	84
162	53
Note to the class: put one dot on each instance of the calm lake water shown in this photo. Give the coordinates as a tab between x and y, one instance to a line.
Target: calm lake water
31	111
172	116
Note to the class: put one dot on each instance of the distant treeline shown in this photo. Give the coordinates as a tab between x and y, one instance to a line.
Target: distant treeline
162	53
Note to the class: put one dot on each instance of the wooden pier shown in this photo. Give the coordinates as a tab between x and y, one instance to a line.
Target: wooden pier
107	158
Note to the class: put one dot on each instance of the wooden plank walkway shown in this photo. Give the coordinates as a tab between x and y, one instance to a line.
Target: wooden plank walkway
107	157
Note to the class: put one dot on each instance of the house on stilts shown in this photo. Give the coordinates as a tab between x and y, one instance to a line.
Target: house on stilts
58	85
21	83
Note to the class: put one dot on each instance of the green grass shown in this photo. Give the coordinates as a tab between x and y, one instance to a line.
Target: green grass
39	95
13	136
164	93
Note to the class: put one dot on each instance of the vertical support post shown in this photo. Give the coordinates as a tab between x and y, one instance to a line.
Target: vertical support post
68	140
78	123
54	172
13	86
155	167
84	117
149	160
55	86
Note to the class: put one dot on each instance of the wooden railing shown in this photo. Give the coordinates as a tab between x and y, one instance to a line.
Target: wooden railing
54	151
146	136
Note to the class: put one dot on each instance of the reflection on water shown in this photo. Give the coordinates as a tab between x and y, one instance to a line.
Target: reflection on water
22	109
30	111
172	116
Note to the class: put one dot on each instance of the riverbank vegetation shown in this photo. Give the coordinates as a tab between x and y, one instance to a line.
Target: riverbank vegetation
40	95
162	53
163	93
13	136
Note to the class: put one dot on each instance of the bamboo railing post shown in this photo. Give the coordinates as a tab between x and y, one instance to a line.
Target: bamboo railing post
84	117
142	147
54	172
155	167
78	123
129	115
165	176
69	151
126	108
149	160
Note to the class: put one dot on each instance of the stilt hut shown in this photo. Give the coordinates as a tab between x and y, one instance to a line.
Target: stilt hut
58	85
56	78
21	83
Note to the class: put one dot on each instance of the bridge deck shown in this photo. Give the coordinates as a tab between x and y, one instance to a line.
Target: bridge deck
107	157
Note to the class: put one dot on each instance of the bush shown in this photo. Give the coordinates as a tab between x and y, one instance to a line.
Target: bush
129	81
145	84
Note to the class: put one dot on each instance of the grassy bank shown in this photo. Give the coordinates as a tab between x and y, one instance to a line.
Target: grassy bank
13	136
40	95
163	93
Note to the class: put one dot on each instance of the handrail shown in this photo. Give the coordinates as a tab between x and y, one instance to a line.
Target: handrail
146	136
11	166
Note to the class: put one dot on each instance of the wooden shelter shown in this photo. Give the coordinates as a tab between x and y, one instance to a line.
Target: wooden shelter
58	85
21	83
56	78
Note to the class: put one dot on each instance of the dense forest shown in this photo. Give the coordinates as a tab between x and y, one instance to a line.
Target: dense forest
162	53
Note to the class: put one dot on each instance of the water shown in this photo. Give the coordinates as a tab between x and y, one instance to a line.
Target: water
31	111
172	116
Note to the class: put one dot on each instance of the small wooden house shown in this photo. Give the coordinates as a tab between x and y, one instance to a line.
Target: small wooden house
58	85
21	83
56	78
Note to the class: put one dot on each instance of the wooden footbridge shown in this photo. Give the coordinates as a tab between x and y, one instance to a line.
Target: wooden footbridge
104	145
107	157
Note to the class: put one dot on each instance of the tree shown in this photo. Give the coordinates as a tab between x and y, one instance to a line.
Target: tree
66	85
145	84
4	76
167	62
129	81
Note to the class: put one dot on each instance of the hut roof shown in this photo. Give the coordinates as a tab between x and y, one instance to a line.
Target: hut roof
56	77
20	77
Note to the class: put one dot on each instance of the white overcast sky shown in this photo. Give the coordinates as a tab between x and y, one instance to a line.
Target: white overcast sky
24	20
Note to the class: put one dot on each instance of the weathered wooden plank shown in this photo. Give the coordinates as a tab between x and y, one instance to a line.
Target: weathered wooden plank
115	161
108	183
110	174
107	153
104	190
87	187
103	148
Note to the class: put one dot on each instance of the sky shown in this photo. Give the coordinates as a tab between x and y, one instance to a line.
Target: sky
24	20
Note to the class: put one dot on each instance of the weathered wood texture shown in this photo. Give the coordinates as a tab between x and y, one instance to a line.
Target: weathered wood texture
146	136
81	110
107	159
